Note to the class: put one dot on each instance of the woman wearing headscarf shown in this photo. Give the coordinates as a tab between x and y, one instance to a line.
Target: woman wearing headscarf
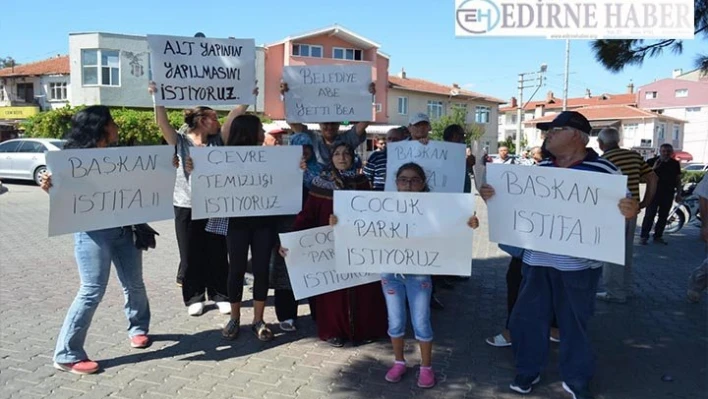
356	314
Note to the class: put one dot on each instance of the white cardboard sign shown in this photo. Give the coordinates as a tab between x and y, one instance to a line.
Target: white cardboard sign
557	210
311	264
192	71
403	232
444	164
95	189
238	181
328	93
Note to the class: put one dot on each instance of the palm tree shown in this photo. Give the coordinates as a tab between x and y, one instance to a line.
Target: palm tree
616	54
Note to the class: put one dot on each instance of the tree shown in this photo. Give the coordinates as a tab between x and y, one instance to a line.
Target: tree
7	62
616	54
473	131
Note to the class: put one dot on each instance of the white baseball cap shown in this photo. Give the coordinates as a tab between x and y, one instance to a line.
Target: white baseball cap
418	117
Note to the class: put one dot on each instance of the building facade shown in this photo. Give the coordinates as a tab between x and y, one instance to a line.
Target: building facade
551	105
43	84
407	96
686	99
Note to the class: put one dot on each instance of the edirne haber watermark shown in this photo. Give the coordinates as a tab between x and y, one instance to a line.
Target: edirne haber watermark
576	19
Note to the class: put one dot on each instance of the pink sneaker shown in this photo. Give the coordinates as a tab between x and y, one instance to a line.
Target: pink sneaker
396	372
81	367
140	341
426	378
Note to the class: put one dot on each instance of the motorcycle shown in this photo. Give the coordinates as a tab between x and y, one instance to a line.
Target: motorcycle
683	212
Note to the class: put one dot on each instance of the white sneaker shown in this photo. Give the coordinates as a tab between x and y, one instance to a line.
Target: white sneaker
224	307
196	309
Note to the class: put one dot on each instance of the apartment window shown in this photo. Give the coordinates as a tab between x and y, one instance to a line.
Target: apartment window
100	67
57	91
2	93
681	93
307	50
660	131
435	109
650	95
511	119
481	114
25	92
629	129
645	143
403	105
379	108
340	53
676	133
693	109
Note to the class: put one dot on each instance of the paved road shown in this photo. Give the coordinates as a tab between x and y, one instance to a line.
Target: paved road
658	334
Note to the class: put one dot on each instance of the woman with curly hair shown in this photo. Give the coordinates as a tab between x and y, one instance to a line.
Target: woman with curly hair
94	127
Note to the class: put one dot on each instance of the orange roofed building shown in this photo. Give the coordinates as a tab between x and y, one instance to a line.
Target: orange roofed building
333	45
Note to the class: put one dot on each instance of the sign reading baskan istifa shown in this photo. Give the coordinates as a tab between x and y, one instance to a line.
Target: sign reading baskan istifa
202	71
328	93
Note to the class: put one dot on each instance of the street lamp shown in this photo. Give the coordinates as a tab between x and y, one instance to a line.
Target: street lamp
527	77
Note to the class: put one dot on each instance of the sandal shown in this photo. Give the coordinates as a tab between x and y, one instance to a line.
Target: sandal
262	331
231	330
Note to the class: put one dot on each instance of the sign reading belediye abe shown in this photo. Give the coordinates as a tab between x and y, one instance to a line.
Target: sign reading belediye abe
559	211
202	71
96	189
444	164
328	93
246	181
311	264
403	232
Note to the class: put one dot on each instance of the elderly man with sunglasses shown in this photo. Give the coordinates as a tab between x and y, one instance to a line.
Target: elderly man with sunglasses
329	136
559	284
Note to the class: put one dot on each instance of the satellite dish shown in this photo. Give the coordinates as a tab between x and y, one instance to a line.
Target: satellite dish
454	92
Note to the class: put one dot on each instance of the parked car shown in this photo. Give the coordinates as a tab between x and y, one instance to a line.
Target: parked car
696	167
25	158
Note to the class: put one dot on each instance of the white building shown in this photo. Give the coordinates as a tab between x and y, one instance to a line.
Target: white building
114	70
43	84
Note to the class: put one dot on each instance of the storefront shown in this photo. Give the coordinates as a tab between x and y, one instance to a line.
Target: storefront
11	119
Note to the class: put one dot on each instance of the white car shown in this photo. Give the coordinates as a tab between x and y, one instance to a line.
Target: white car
24	158
698	167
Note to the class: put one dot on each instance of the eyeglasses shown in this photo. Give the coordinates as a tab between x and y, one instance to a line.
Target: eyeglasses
415	181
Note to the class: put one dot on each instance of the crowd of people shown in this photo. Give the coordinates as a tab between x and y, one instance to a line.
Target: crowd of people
550	296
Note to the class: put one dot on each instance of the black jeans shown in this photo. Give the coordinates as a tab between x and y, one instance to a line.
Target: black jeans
513	287
258	236
285	305
661	204
204	264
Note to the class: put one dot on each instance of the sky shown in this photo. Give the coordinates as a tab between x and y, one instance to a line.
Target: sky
418	35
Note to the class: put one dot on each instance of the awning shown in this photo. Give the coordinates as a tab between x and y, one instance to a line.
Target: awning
683	156
604	124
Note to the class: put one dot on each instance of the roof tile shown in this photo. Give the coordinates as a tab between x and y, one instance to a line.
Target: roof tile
52	66
426	86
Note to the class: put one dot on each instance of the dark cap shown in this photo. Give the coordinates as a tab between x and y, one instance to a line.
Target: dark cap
573	119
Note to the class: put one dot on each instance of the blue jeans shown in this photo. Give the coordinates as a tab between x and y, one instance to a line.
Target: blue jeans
418	289
94	251
571	295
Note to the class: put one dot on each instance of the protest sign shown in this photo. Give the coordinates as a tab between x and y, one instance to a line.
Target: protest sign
311	264
328	93
557	210
101	188
403	232
444	163
192	71
246	181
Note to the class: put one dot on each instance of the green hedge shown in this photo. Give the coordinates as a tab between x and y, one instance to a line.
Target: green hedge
691	176
136	126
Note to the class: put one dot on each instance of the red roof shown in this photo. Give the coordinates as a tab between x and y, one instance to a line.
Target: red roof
425	86
552	102
609	112
54	66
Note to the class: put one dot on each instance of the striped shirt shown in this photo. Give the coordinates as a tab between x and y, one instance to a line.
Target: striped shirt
591	163
631	164
375	169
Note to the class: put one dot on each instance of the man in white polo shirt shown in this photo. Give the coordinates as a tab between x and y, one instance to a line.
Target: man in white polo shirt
698	281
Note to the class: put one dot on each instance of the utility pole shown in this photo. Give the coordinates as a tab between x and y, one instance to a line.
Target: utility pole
533	77
567	72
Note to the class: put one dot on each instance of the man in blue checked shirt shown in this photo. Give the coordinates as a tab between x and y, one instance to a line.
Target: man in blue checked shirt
558	283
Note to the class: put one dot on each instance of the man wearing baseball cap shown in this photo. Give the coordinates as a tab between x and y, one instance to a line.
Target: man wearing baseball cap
419	126
559	284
